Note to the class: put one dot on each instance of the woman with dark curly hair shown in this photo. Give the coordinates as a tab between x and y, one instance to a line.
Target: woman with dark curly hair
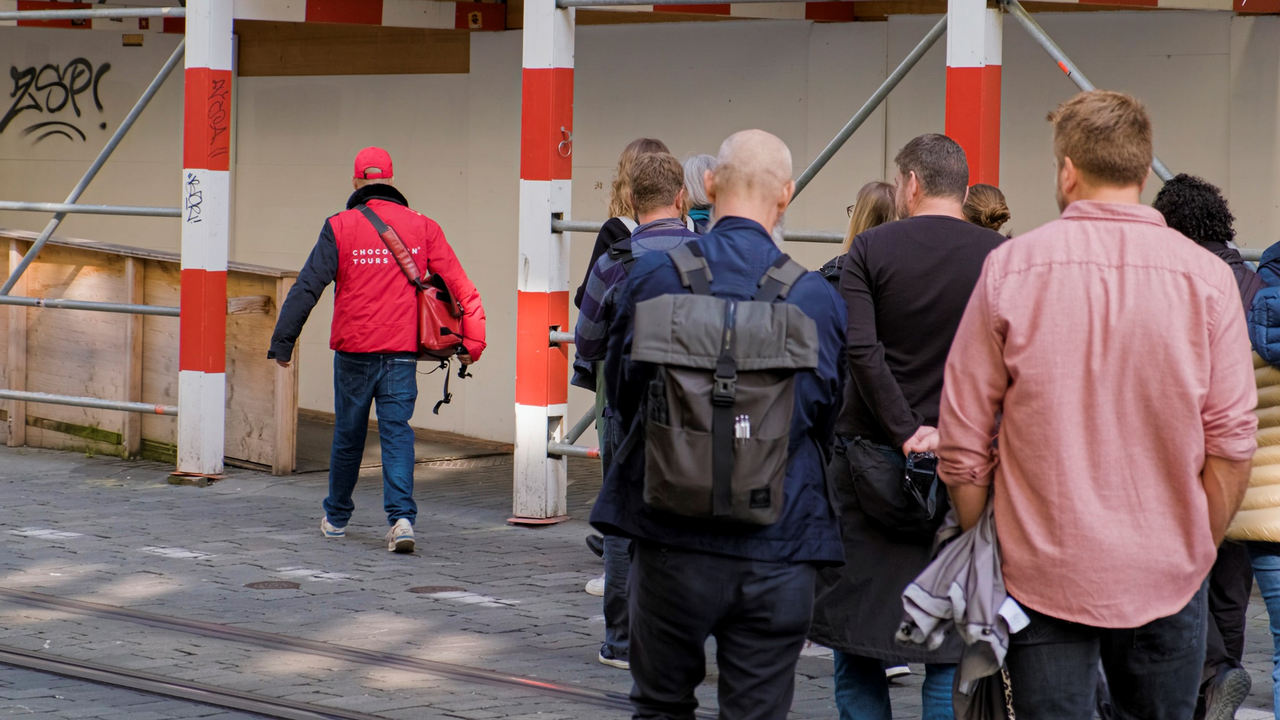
1197	209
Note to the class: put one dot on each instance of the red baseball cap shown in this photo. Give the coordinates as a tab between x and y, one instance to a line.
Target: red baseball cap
373	163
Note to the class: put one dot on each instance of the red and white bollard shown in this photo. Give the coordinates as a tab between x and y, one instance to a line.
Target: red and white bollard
542	371
973	85
206	224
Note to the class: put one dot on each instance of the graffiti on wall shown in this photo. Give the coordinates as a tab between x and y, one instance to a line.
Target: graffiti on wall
54	98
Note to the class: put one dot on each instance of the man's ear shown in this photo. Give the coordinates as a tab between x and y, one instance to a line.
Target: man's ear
784	199
1068	175
709	185
681	198
355	183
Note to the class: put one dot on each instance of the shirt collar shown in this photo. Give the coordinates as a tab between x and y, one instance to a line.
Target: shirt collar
735	223
660	222
1123	212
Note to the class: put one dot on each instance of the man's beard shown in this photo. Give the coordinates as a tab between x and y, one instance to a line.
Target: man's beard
779	230
1062	199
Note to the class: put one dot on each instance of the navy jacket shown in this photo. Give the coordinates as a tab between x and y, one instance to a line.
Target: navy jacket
739	252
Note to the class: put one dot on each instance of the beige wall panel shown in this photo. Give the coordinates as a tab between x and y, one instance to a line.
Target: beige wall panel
1255	129
159	341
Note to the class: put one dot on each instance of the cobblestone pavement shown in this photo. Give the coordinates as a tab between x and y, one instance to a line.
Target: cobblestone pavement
111	532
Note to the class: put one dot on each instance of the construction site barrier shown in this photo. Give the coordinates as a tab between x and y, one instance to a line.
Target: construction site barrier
69	208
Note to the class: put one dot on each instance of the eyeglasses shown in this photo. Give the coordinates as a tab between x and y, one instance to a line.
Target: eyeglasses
849	211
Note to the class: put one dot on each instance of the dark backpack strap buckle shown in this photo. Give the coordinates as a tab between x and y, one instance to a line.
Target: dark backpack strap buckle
695	274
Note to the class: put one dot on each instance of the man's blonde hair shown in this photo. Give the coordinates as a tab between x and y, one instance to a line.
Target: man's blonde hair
1106	134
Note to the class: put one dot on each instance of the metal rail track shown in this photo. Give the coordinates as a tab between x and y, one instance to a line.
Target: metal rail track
274	641
173	688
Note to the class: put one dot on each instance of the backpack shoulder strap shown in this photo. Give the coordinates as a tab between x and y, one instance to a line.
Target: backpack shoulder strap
630	223
692	266
622	252
779	279
394	245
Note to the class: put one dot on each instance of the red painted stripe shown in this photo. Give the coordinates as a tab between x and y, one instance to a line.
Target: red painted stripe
703	9
1256	6
480	16
542	372
829	11
973	119
202	334
47	5
351	12
175	25
206	127
1063	67
546	107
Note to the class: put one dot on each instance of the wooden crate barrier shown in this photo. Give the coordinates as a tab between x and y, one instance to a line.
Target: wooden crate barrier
135	357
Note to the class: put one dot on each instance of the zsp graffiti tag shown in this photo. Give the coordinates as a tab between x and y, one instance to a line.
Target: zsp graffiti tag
52	89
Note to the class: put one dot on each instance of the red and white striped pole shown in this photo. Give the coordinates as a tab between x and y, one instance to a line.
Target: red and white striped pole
542	371
206	192
973	85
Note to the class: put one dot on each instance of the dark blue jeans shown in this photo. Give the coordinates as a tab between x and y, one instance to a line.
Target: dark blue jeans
862	690
1153	670
617	550
359	379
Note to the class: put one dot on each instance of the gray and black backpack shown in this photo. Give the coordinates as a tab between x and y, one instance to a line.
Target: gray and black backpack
717	415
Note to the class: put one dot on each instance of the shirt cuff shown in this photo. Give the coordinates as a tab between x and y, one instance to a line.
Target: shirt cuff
953	473
1240	448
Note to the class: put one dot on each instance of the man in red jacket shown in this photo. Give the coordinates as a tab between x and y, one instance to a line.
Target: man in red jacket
375	337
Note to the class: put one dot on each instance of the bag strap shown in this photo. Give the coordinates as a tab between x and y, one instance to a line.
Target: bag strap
779	279
622	252
692	266
395	245
724	394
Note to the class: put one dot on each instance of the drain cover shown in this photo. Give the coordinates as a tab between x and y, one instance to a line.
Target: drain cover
433	589
274	585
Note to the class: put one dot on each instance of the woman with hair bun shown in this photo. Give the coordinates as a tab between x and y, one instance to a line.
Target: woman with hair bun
986	206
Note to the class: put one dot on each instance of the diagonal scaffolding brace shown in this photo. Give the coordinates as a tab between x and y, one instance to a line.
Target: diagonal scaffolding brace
92	172
869	107
1072	70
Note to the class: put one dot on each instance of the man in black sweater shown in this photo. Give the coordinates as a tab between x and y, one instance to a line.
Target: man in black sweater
906	285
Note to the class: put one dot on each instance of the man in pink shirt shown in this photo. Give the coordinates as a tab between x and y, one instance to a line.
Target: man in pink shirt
1117	353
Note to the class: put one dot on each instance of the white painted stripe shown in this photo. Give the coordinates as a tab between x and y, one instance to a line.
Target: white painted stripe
177	553
277	10
993	29
779	11
548	35
202	399
206	217
543	255
209	34
46	533
539	479
420	14
966	33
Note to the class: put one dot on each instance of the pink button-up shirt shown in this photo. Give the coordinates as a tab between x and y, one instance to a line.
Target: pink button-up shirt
1117	351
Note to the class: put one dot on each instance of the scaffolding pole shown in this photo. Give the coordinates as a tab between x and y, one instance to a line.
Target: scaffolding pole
1072	70
60	304
110	147
94	14
591	226
622	3
88	402
72	208
869	107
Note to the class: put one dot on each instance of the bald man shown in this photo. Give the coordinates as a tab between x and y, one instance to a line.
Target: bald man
749	586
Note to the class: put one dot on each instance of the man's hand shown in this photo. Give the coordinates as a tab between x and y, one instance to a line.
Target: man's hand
925	440
283	363
464	357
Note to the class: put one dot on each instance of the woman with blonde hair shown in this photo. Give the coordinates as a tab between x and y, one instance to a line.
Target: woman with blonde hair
986	206
874	205
622	218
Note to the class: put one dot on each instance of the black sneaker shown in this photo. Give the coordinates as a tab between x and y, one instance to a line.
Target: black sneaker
596	544
607	657
1226	693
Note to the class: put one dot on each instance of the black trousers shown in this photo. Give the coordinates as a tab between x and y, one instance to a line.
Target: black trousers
758	612
1230	584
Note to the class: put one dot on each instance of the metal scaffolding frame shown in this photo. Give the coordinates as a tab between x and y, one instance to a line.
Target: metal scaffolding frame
70	206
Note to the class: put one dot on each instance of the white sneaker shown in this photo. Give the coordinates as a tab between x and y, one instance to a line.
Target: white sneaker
400	537
897	671
330	531
596	586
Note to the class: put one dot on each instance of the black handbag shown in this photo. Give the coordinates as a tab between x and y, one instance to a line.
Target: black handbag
899	507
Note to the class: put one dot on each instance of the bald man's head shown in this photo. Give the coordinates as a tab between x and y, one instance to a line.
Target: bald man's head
752	177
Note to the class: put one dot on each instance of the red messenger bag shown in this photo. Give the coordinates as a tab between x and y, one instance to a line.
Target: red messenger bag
439	313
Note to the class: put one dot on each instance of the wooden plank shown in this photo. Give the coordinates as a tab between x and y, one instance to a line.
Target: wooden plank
143	253
293	49
160	348
16	365
249	305
135	286
286	403
251	377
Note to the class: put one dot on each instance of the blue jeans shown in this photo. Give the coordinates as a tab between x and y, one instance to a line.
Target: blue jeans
862	690
1266	571
617	550
358	380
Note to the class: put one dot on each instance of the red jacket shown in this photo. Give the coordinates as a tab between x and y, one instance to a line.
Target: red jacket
374	306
